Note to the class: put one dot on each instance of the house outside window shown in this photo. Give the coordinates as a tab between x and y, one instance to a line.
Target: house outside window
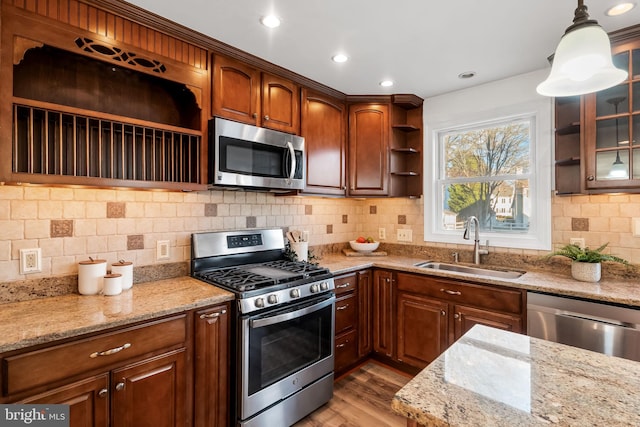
495	169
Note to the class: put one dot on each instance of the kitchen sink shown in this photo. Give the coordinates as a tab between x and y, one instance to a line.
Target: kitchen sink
478	271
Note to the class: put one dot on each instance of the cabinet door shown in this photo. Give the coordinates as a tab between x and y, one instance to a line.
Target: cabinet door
365	341
383	313
368	149
346	312
324	130
151	393
88	401
346	351
236	91
212	367
280	104
422	329
466	317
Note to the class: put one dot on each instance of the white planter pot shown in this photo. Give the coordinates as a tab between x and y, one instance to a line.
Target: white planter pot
586	271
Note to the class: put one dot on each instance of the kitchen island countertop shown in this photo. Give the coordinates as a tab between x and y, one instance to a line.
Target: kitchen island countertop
39	321
492	377
626	292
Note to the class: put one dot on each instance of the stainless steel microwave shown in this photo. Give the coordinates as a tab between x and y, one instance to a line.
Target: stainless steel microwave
242	155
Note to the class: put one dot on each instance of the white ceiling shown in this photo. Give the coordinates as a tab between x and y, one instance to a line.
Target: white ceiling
422	45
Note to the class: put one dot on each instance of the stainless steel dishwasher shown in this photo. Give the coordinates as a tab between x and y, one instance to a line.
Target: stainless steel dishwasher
609	329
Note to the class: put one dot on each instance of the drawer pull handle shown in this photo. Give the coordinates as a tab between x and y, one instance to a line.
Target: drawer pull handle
342	307
457	316
120	386
342	344
346	285
213	315
442	312
103	393
450	292
110	351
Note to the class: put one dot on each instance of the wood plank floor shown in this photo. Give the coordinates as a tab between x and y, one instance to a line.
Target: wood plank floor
361	399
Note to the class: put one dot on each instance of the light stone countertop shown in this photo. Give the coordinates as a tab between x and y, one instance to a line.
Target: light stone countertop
491	377
625	292
38	321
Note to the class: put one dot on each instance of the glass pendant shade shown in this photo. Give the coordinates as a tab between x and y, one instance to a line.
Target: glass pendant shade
618	169
582	64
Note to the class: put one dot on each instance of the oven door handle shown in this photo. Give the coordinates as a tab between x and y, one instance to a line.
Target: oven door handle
259	323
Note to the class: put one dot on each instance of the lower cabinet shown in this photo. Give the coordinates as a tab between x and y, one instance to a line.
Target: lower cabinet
138	375
416	317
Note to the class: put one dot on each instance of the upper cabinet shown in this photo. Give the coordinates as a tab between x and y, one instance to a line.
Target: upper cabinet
597	136
324	128
385	146
245	94
93	98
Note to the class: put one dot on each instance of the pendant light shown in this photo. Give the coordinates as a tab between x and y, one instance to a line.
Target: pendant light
582	61
618	169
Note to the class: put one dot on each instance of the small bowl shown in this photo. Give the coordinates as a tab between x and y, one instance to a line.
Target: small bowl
363	247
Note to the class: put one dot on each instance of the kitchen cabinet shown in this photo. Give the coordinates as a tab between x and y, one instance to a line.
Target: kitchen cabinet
324	128
249	95
568	145
384	313
352	319
385	146
212	366
136	375
78	83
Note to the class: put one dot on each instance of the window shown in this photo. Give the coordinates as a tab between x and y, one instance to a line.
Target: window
491	170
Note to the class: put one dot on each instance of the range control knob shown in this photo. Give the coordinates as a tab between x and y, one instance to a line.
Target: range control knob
295	293
324	286
314	288
272	299
259	302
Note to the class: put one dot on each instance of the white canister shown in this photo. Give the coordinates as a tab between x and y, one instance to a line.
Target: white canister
301	250
126	269
112	284
91	276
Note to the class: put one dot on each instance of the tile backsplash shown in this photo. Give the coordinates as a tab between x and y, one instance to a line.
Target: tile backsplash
71	224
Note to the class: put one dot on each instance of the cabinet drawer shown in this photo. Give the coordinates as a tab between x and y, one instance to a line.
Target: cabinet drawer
346	313
484	296
346	351
345	284
59	362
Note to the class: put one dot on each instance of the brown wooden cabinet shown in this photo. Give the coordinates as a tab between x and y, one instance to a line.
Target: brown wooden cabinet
246	94
405	163
384	313
365	314
324	128
211	381
568	145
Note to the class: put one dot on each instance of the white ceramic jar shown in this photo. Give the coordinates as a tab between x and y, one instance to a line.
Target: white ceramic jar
112	284
91	276
126	269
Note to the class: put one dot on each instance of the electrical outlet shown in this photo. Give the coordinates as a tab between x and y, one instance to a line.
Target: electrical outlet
30	261
405	235
163	250
382	233
578	241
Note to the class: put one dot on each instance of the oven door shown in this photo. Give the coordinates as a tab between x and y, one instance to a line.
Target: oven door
283	351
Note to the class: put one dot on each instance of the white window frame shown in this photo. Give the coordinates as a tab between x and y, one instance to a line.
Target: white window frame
539	234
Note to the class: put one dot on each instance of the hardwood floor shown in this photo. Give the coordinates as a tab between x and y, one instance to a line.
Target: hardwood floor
361	399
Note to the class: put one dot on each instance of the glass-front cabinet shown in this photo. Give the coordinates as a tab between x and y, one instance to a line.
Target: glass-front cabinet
612	128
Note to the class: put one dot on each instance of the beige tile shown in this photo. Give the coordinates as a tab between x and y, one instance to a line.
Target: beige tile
620	225
61	193
24	209
36	193
51	247
160	196
5	209
64	265
74	246
117	243
97	244
37	229
50	209
105	227
61	228
9	270
85	227
5	250
11	192
74	209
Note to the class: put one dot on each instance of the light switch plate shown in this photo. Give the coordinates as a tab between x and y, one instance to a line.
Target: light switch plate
382	233
405	235
163	250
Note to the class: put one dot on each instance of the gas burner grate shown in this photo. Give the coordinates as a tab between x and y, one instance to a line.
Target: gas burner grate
236	278
296	267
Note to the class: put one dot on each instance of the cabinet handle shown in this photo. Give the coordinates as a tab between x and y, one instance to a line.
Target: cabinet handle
342	307
342	344
457	316
443	313
450	292
346	285
254	115
266	118
120	386
213	315
591	178
110	351
103	393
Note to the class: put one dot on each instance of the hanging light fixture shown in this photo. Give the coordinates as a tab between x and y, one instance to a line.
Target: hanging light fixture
618	169
582	61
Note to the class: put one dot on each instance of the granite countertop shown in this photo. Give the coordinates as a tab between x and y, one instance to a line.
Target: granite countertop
492	377
625	292
43	320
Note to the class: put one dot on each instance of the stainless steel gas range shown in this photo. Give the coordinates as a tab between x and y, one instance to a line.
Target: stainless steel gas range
283	324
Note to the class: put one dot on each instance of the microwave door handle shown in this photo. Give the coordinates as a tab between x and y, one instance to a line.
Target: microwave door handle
292	152
258	323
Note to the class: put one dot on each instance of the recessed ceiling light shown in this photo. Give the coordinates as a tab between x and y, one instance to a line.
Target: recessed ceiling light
386	83
466	75
620	8
340	58
270	21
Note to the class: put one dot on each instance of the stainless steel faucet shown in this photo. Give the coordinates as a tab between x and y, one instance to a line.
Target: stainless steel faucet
476	242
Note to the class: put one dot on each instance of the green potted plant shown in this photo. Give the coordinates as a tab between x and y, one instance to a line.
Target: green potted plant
586	264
